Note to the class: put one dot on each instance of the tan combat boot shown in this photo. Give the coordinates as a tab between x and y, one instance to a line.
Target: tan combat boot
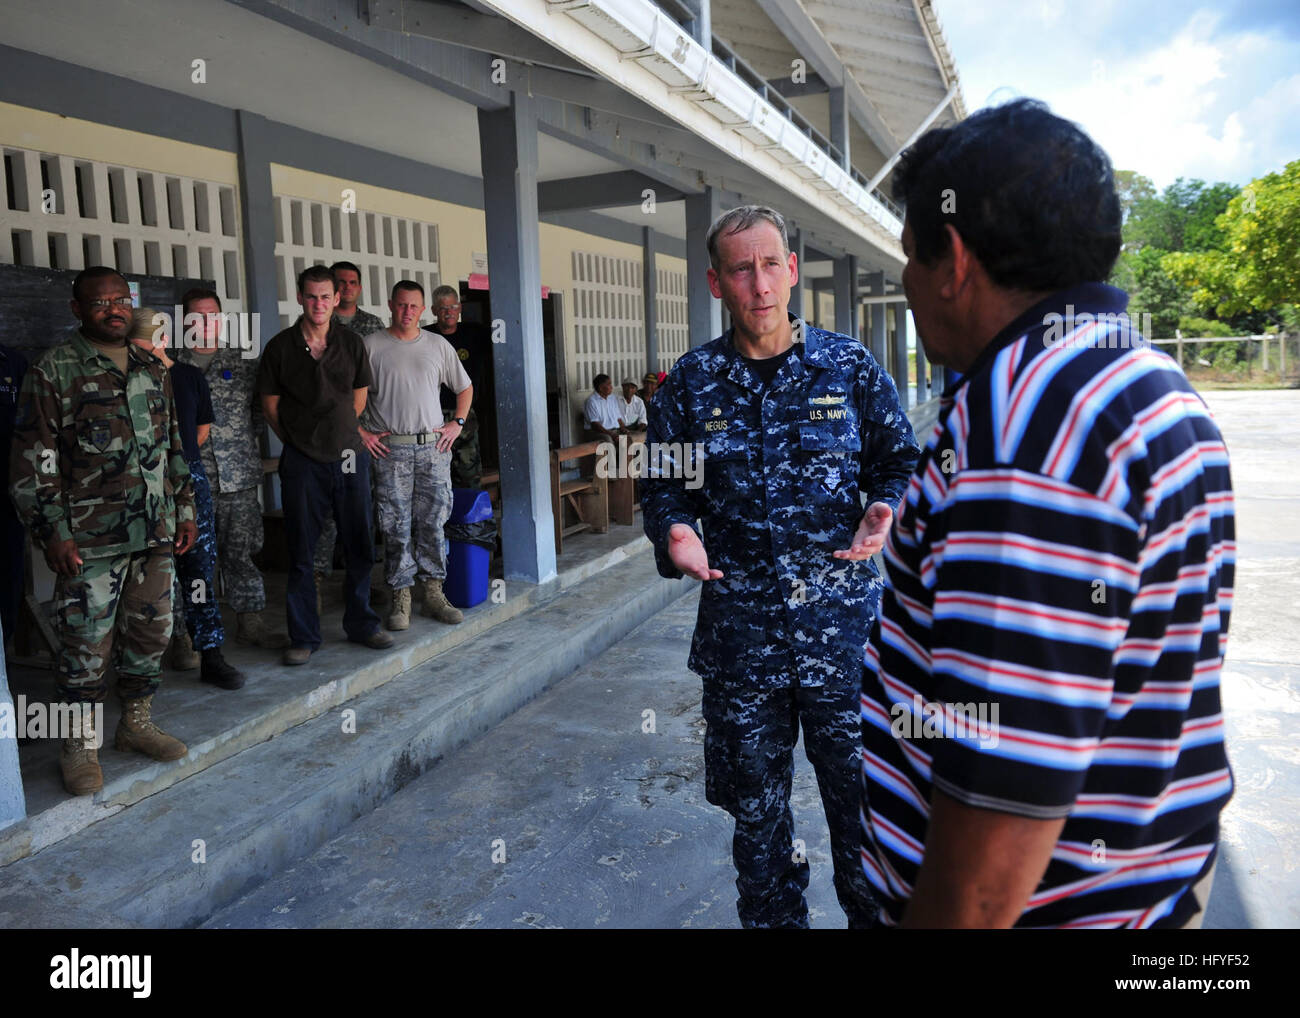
136	731
253	631
436	605
184	657
79	760
399	617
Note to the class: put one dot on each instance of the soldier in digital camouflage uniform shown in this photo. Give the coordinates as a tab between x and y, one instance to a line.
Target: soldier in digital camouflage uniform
194	594
98	475
404	430
232	460
791	425
347	277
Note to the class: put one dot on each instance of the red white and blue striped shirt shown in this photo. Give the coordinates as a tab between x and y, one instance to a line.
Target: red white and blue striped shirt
1051	638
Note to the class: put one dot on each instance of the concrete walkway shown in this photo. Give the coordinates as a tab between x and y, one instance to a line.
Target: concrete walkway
571	814
1258	879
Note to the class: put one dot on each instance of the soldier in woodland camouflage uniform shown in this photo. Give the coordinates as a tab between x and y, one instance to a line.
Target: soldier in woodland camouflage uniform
232	459
347	277
794	425
98	475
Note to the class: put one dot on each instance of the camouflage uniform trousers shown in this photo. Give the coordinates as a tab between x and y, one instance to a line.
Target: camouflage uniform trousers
413	484
466	463
118	606
749	764
239	538
194	594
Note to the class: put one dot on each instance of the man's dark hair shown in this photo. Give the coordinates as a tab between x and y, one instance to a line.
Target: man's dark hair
198	293
599	380
407	284
1030	193
94	272
345	265
316	274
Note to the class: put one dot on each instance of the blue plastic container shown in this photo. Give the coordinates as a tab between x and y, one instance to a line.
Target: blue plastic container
467	564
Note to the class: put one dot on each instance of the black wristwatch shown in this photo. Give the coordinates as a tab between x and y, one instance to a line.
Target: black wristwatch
460	421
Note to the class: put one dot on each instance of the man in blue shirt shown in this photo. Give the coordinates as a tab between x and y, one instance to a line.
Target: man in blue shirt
770	436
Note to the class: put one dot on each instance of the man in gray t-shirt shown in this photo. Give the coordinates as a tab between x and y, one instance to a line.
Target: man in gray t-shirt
404	430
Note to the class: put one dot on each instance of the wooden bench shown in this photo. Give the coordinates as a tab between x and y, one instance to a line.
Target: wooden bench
587	495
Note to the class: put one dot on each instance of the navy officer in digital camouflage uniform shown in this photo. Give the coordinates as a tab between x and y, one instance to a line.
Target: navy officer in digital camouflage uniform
794	425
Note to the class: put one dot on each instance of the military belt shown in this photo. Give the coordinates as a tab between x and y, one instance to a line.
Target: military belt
419	438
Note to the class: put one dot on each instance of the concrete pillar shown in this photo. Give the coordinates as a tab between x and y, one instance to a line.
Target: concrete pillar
13	804
876	343
846	295
703	310
840	125
256	143
796	291
924	390
819	287
900	352
650	292
508	148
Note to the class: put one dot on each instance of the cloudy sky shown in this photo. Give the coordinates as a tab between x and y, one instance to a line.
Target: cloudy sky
1173	88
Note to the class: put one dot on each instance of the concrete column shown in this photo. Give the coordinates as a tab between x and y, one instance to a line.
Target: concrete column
796	291
704	311
819	287
840	125
508	148
924	390
876	343
846	291
650	292
900	352
257	221
13	804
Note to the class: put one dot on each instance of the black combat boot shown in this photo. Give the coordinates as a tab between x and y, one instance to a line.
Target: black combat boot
217	670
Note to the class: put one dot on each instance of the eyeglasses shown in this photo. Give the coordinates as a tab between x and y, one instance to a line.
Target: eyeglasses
104	303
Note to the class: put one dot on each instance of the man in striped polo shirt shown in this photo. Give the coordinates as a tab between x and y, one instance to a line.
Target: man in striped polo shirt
1041	723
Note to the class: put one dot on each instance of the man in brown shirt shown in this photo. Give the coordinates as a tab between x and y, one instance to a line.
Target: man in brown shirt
313	379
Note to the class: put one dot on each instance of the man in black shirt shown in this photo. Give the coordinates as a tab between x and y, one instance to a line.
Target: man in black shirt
472	343
313	379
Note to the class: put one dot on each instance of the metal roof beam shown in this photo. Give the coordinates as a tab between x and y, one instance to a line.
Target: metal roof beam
802	32
814	85
461	26
600	191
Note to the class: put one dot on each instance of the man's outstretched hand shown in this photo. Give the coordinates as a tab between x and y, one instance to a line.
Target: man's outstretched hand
688	554
871	533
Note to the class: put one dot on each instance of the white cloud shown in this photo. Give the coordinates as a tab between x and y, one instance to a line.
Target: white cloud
1204	101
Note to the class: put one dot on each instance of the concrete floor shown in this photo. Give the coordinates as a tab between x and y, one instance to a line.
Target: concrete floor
569	814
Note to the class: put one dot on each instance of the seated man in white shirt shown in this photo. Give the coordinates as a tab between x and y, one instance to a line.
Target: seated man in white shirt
602	411
632	408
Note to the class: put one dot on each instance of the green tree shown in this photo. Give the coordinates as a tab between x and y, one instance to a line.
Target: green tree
1256	264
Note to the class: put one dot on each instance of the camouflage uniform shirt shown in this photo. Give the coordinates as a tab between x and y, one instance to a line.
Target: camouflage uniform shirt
363	323
97	456
783	468
231	456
